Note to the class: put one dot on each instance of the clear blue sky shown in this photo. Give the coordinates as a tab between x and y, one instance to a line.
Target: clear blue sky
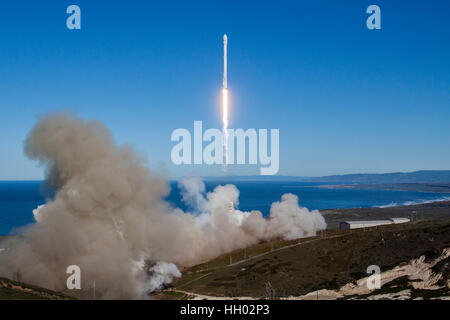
346	99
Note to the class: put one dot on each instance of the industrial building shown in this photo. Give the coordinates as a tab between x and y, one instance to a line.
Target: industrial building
370	223
400	220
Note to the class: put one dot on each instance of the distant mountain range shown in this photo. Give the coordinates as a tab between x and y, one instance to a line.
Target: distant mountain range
424	176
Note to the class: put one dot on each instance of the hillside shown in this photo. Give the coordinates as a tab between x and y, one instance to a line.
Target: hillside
338	259
13	290
414	259
426	211
424	176
442	187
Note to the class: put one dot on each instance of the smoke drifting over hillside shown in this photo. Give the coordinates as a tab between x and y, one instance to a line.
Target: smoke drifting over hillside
108	216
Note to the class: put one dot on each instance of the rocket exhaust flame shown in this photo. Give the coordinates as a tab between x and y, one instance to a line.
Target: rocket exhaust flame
225	126
225	103
225	42
225	107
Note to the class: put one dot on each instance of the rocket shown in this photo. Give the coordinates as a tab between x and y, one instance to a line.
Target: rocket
225	41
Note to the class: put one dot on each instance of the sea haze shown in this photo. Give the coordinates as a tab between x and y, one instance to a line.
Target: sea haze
19	198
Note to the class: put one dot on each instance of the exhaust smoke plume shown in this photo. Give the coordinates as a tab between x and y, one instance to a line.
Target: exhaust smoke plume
160	275
108	215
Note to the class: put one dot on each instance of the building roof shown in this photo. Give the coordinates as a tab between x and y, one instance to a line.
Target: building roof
369	222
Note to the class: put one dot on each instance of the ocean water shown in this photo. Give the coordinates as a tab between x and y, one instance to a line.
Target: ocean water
19	198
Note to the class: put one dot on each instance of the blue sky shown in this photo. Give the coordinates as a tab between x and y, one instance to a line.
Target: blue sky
346	99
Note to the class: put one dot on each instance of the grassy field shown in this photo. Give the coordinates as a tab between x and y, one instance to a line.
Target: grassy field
316	263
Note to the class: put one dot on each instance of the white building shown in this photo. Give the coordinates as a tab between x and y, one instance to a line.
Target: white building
370	223
400	220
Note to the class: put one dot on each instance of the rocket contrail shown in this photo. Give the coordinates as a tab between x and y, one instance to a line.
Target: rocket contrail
225	41
225	103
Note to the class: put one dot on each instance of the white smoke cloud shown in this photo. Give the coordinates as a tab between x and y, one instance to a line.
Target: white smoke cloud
109	211
161	274
37	214
192	193
289	221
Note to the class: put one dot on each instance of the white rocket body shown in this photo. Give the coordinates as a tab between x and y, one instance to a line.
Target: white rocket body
225	40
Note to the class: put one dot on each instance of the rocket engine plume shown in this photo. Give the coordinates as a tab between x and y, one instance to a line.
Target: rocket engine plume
109	216
225	126
225	103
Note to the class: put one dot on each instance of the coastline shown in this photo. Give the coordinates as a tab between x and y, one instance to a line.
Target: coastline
419	187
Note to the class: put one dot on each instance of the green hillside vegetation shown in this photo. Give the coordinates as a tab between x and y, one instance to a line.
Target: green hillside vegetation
13	290
315	263
279	268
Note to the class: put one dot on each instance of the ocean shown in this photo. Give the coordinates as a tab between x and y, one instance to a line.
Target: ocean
19	198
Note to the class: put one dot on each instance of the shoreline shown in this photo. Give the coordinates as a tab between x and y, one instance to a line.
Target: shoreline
443	188
423	211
